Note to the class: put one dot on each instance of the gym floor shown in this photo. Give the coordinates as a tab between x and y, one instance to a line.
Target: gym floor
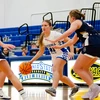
37	92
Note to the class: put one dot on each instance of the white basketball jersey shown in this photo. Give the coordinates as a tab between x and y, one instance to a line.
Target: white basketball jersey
54	52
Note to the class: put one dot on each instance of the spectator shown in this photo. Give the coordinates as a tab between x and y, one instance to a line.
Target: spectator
24	51
33	45
5	52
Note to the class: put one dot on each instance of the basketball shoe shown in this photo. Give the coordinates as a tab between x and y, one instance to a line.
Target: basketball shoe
3	96
51	91
93	92
23	94
74	90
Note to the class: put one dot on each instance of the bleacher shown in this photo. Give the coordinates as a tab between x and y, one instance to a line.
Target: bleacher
19	36
25	34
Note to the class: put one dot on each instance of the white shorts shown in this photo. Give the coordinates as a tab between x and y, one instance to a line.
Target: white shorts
64	56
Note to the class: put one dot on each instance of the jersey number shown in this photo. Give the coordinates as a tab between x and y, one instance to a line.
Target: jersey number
52	50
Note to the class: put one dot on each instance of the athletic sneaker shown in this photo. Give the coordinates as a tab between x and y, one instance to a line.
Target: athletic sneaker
93	92
3	96
74	90
51	91
25	98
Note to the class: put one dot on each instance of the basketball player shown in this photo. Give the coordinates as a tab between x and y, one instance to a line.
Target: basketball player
5	70
59	57
90	52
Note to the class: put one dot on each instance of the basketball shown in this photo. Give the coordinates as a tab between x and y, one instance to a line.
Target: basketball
25	68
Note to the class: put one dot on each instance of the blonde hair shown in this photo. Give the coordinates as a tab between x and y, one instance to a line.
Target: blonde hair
40	41
77	14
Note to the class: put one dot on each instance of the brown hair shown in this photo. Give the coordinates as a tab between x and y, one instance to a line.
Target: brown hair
23	47
40	41
77	14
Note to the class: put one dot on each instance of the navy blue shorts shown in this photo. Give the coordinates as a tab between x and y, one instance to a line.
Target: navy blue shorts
93	50
2	56
94	40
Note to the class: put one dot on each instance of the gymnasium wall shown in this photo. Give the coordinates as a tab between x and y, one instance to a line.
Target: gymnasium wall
14	13
2	13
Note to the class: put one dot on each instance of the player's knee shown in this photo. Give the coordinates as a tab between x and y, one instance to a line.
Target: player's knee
77	70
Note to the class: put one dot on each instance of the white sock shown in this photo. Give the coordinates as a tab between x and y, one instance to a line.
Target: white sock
1	91
93	85
23	94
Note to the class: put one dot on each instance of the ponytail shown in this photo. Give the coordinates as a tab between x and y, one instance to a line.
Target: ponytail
77	14
40	41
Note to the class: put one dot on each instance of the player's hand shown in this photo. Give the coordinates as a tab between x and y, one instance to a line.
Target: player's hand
23	53
8	46
70	55
30	62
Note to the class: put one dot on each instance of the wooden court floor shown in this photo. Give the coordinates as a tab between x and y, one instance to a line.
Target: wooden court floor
37	92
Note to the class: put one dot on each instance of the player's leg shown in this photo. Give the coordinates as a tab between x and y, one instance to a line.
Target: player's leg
57	66
58	75
87	67
79	68
4	66
66	80
2	79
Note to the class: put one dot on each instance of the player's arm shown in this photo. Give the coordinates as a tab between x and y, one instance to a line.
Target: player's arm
1	44
68	43
38	54
8	46
74	26
71	46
